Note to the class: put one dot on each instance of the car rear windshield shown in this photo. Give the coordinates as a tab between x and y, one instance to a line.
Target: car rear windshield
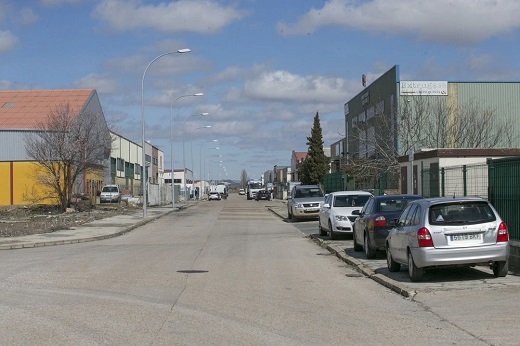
351	200
466	213
394	204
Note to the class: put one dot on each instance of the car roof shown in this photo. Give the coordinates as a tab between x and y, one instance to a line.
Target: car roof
444	200
345	193
306	186
385	197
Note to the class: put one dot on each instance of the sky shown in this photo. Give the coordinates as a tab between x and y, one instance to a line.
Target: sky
265	67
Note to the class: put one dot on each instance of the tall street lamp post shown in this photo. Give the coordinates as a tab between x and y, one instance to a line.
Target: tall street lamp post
191	150
183	151
202	188
171	141
144	183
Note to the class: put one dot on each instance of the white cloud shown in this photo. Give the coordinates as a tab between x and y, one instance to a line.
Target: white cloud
283	85
202	16
27	16
7	41
101	83
443	21
51	3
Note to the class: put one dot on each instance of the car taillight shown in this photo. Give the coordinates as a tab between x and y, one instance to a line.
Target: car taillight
424	237
503	234
380	221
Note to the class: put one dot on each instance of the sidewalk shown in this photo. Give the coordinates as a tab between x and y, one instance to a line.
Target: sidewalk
95	230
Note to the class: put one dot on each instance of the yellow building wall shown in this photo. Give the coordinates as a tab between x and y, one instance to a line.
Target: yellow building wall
22	187
26	189
5	183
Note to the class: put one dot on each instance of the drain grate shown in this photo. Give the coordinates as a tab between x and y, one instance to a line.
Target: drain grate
192	271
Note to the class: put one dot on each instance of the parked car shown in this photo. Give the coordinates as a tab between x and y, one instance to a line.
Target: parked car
441	232
336	213
376	219
214	196
304	202
263	194
110	193
241	192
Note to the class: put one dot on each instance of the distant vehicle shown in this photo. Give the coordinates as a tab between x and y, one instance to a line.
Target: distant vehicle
252	187
336	213
442	232
376	219
214	196
304	202
263	194
221	188
110	193
241	192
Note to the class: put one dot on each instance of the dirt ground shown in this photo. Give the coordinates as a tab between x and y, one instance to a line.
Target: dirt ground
19	221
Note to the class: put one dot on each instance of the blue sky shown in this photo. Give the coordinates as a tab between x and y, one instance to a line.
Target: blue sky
265	66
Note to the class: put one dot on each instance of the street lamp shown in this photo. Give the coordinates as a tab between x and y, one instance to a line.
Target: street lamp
171	141
215	148
143	182
191	149
200	164
183	151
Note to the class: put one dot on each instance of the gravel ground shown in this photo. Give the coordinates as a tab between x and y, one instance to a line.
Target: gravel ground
19	221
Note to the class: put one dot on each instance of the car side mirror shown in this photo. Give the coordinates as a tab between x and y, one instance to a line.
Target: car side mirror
326	205
356	212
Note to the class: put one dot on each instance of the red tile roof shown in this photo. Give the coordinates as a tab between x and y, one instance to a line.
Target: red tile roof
23	109
299	155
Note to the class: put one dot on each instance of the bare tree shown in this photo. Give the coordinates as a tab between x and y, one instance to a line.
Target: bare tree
65	146
243	179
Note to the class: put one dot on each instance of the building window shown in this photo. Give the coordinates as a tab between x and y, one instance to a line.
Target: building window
120	164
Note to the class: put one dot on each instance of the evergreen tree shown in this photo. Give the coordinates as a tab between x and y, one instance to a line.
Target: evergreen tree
316	165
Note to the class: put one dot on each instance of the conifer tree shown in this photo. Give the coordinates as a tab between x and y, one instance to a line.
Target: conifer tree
316	165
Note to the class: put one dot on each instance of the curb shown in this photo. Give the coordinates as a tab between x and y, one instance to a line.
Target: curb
86	239
395	286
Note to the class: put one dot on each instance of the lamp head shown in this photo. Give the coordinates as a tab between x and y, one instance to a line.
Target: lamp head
185	50
198	94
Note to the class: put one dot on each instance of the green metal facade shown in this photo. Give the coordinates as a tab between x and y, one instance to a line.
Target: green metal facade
502	97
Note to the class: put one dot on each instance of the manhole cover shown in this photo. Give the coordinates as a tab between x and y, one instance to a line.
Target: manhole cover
192	271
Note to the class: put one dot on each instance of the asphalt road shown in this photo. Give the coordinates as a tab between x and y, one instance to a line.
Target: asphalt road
227	272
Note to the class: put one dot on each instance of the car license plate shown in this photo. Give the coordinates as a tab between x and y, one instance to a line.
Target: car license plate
459	237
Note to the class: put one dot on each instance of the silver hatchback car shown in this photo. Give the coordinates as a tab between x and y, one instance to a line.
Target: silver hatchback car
442	232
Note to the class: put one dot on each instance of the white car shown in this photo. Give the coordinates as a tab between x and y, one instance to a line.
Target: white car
336	213
241	192
214	195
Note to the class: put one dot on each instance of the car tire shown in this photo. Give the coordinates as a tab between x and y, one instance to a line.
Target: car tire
392	265
332	235
357	247
500	268
415	273
322	231
369	252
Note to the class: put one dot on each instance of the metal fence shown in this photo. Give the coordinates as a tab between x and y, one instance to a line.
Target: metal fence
497	180
455	181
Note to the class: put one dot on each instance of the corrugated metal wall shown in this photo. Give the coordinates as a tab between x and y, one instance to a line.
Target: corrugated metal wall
503	97
14	140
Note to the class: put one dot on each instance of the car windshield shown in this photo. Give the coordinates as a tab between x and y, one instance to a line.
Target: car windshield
308	192
350	200
467	212
109	189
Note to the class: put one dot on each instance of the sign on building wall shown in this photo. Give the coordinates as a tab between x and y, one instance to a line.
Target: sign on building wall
412	88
